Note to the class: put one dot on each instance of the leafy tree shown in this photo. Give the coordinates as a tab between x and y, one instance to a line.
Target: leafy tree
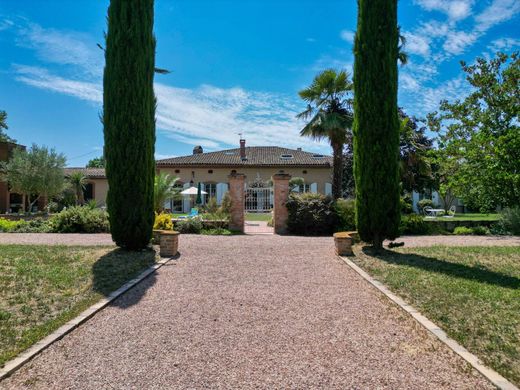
129	121
164	190
3	126
78	182
414	147
479	136
98	162
376	123
330	116
35	173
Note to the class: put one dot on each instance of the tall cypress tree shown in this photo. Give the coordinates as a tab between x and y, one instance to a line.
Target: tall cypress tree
129	121
376	125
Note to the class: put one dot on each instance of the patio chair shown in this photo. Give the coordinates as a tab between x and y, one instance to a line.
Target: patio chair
451	212
193	213
428	212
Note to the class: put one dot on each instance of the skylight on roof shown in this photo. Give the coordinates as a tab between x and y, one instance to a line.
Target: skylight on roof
286	156
318	156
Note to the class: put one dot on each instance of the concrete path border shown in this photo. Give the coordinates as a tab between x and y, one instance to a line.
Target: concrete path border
14	364
490	374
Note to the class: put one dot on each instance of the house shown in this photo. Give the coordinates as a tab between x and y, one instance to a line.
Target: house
211	170
9	201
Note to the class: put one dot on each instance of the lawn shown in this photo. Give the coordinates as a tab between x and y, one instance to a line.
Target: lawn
473	293
258	216
43	287
468	217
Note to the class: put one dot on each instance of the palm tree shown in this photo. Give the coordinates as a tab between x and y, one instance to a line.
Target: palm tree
78	182
330	112
163	190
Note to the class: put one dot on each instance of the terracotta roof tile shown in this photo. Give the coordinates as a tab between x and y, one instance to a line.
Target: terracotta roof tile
255	156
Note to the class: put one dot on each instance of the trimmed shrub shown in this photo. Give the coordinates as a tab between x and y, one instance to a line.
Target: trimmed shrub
163	222
463	231
7	225
216	232
311	214
414	224
80	219
481	231
218	219
37	225
346	210
406	204
189	226
510	221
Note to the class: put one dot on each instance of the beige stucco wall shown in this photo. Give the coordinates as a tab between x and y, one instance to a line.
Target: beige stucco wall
320	176
100	190
220	175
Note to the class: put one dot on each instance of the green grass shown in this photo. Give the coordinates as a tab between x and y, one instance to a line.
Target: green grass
473	293
468	217
258	217
43	287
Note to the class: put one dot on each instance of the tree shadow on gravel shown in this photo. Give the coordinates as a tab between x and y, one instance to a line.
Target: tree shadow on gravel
117	267
433	264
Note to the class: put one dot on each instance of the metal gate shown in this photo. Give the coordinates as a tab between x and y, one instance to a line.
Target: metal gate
258	199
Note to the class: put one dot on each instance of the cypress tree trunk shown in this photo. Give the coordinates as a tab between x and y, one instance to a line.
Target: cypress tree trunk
337	175
376	125
129	121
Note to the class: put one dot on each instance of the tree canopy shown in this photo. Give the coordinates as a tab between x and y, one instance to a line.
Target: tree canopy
3	126
479	136
98	162
35	173
329	115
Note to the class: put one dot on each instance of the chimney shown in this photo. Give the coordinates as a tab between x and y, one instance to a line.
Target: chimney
299	149
198	150
243	149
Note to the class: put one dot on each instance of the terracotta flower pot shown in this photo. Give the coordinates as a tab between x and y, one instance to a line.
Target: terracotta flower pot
169	243
343	242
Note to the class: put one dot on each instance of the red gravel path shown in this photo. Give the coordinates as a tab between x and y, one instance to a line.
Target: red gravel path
105	239
247	312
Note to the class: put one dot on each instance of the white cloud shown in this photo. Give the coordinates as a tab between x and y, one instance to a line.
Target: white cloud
347	35
417	44
41	78
497	12
62	47
504	44
457	41
455	9
6	24
208	115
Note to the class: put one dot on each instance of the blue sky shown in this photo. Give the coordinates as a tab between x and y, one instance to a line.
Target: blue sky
236	65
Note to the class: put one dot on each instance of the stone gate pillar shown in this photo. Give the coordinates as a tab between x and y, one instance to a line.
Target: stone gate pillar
281	194
236	191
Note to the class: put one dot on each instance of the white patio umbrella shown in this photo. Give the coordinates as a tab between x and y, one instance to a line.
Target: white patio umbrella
192	191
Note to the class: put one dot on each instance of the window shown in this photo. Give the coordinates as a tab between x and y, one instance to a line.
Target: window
211	189
176	202
210	170
286	156
177	171
304	188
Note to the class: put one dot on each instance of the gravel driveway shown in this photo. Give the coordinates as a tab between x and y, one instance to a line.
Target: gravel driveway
253	228
246	312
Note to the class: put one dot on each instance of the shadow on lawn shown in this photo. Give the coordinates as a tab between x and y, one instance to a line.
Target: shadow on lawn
117	267
433	264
